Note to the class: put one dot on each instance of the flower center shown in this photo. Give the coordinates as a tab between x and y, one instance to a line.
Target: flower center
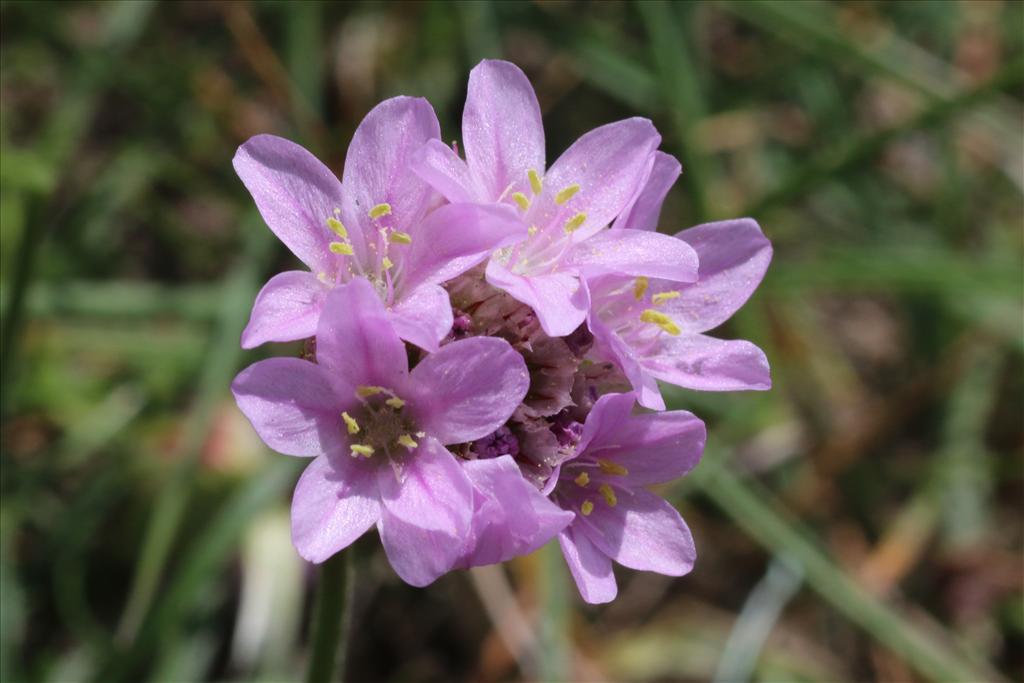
587	482
380	424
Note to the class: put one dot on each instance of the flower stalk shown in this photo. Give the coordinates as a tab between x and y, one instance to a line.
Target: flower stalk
332	618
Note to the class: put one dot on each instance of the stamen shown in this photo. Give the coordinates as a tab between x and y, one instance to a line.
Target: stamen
609	467
586	508
421	435
661	320
387	263
532	230
400	238
662	297
337	228
361	449
340	248
566	193
574	223
364	390
395	402
322	277
535	183
640	287
522	200
407	441
583	479
609	495
350	422
380	210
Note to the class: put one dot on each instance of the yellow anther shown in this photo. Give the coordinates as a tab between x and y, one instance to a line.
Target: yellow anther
609	495
661	320
364	390
662	297
640	287
322	277
340	248
532	230
522	200
586	508
387	263
407	441
350	422
566	193
583	479
337	228
395	402
574	223
609	467
535	183
380	210
361	449
400	238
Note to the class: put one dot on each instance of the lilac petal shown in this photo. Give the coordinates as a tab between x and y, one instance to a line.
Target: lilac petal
643	532
590	568
355	341
440	167
636	252
644	210
286	309
468	388
511	517
423	316
558	299
653	447
427	513
294	193
608	164
708	364
501	128
613	348
377	167
734	256
292	406
456	237
335	502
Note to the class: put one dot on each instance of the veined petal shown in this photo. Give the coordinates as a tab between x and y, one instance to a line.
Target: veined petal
427	513
704	363
291	405
590	568
294	192
611	347
334	503
286	309
643	532
501	128
423	316
636	252
355	342
440	167
644	210
558	299
468	388
734	256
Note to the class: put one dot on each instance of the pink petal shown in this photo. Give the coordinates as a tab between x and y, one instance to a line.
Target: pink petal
636	252
286	309
708	364
292	406
456	237
501	128
438	165
644	210
335	502
590	568
427	513
423	317
642	532
355	342
558	299
468	388
611	347
734	256
294	193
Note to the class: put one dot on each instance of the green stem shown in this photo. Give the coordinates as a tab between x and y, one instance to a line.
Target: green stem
332	617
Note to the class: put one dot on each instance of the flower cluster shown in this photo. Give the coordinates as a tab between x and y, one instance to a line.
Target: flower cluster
481	331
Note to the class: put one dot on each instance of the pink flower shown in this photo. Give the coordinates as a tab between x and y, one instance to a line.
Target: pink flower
378	432
616	517
565	209
380	223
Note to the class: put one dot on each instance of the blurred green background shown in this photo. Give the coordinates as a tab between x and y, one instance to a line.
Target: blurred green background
860	522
